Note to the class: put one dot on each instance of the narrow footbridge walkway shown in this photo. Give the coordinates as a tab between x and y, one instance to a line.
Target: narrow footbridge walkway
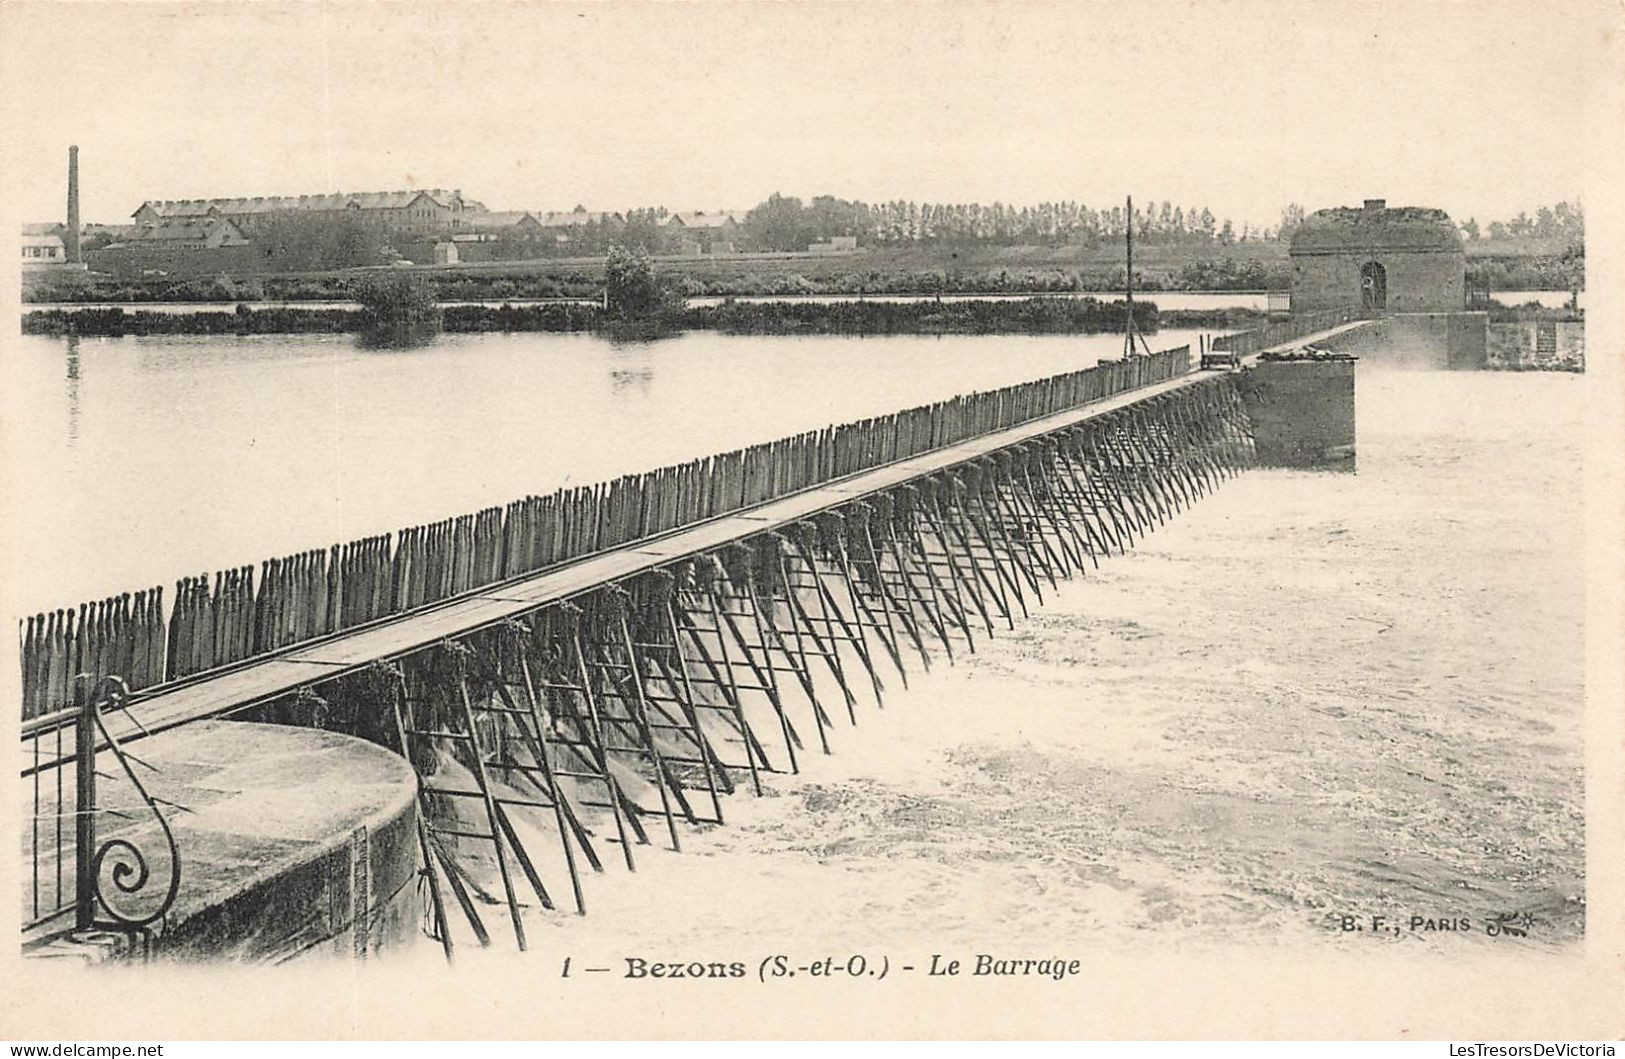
275	676
604	697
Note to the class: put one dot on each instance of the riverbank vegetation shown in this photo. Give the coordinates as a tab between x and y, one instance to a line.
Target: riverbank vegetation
1531	311
1015	316
1564	270
863	273
117	323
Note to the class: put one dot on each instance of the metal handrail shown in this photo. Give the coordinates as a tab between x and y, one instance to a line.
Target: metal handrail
105	872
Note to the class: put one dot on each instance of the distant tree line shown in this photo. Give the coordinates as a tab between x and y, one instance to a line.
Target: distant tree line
1564	222
786	223
781	223
1565	271
288	242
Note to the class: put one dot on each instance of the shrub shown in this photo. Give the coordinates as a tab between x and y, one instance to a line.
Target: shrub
631	289
398	310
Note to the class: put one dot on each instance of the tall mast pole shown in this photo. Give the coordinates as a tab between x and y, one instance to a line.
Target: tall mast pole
1128	239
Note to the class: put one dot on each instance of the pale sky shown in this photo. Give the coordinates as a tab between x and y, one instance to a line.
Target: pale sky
1474	107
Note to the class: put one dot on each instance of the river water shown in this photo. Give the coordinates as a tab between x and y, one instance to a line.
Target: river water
1313	696
142	459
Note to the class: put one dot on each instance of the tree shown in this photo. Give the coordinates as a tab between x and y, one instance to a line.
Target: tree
1469	229
1291	218
1570	221
828	216
641	229
293	243
780	223
397	309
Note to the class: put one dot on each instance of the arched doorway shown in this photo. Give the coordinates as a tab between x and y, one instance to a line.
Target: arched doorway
1373	287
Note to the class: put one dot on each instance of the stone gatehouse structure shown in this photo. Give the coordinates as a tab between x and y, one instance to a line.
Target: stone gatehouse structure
1378	260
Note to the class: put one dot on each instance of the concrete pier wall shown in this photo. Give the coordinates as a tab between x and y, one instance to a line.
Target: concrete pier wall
313	850
1419	341
293	842
1302	412
1537	344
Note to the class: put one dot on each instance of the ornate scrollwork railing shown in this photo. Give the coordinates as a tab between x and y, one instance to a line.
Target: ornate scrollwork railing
128	871
119	881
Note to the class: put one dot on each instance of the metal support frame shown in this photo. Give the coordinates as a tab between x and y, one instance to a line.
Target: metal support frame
645	698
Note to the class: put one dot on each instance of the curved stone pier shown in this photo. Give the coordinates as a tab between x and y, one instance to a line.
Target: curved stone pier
293	842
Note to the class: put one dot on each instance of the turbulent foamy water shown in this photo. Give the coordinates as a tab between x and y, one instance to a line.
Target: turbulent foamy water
1311	696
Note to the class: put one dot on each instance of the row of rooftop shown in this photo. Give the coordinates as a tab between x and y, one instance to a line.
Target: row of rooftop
337	199
426	209
416	215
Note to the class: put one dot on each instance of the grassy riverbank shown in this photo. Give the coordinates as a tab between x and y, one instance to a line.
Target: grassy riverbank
1250	266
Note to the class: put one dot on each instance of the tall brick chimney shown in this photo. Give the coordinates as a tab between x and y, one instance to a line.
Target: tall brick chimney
71	236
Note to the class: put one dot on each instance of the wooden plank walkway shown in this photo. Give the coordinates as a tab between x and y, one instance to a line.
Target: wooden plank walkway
266	678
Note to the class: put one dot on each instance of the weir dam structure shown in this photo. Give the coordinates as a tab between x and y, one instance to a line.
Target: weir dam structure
463	722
